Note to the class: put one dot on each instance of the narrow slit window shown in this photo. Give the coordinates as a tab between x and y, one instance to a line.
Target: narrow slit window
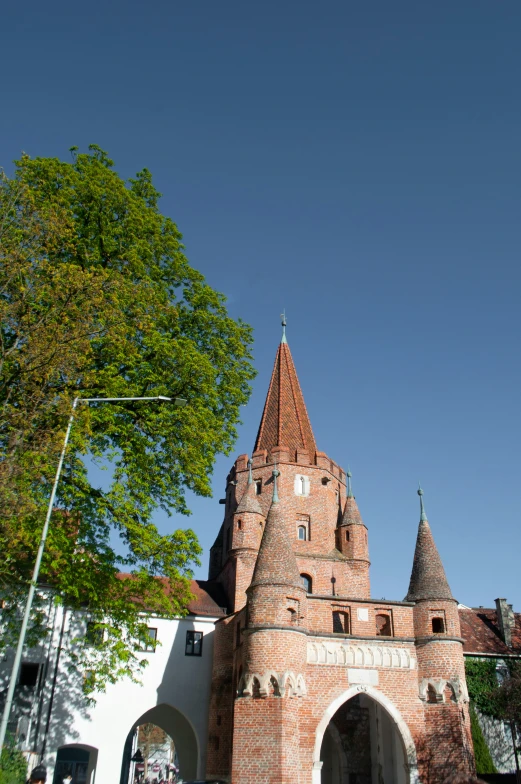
258	486
302	533
307	582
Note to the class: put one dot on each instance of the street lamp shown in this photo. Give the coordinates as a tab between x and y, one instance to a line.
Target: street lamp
177	401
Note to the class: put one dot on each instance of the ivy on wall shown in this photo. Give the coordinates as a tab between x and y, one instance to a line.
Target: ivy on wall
484	763
483	686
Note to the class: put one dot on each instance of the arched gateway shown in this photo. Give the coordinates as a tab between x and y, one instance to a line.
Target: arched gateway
182	732
362	737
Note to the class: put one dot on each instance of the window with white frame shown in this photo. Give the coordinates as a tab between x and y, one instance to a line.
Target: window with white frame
301	484
302	533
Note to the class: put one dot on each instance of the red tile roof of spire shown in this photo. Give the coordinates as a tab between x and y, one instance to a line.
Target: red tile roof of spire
428	580
285	421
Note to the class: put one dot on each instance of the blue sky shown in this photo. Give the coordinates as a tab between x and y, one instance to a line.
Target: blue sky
358	164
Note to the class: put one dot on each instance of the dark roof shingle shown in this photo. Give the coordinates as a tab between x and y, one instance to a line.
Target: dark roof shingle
481	634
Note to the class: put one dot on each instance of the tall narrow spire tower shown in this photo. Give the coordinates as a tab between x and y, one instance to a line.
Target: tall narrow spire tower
285	421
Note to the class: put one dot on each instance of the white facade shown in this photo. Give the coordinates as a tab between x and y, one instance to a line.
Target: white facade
174	694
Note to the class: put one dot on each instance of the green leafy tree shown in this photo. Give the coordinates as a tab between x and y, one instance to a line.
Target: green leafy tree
13	767
97	299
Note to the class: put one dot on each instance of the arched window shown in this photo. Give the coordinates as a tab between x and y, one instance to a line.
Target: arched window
302	533
438	626
302	485
383	625
292	615
340	622
307	582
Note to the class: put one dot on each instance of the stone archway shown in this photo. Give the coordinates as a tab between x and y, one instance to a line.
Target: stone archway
363	736
77	759
182	732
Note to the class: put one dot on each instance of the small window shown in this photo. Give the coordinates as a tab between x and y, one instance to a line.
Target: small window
29	674
383	625
239	524
340	622
292	615
438	626
302	533
94	634
258	486
307	582
150	645
347	536
194	644
302	485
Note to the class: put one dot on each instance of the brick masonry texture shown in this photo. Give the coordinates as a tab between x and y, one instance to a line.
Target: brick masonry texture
284	655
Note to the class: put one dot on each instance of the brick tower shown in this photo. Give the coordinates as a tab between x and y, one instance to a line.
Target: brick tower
439	646
313	680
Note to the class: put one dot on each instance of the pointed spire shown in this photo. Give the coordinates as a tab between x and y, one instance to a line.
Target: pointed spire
423	516
351	515
284	322
249	501
428	579
349	488
276	474
285	421
276	562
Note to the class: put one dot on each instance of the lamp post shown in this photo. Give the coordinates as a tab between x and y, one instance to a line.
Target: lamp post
178	401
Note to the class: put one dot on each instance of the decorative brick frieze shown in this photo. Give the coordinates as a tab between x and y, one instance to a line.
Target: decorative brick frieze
361	654
272	684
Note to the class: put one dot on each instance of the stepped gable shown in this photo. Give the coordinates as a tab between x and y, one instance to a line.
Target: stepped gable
428	580
276	563
285	421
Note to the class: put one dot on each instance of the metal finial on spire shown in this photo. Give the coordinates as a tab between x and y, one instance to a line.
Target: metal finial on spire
423	516
250	477
349	488
284	322
275	474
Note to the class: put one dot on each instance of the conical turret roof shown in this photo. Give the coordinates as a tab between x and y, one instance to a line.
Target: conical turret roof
285	420
249	501
351	514
276	563
428	579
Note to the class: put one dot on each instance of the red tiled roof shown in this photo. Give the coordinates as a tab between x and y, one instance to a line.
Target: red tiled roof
209	597
428	580
285	421
480	631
